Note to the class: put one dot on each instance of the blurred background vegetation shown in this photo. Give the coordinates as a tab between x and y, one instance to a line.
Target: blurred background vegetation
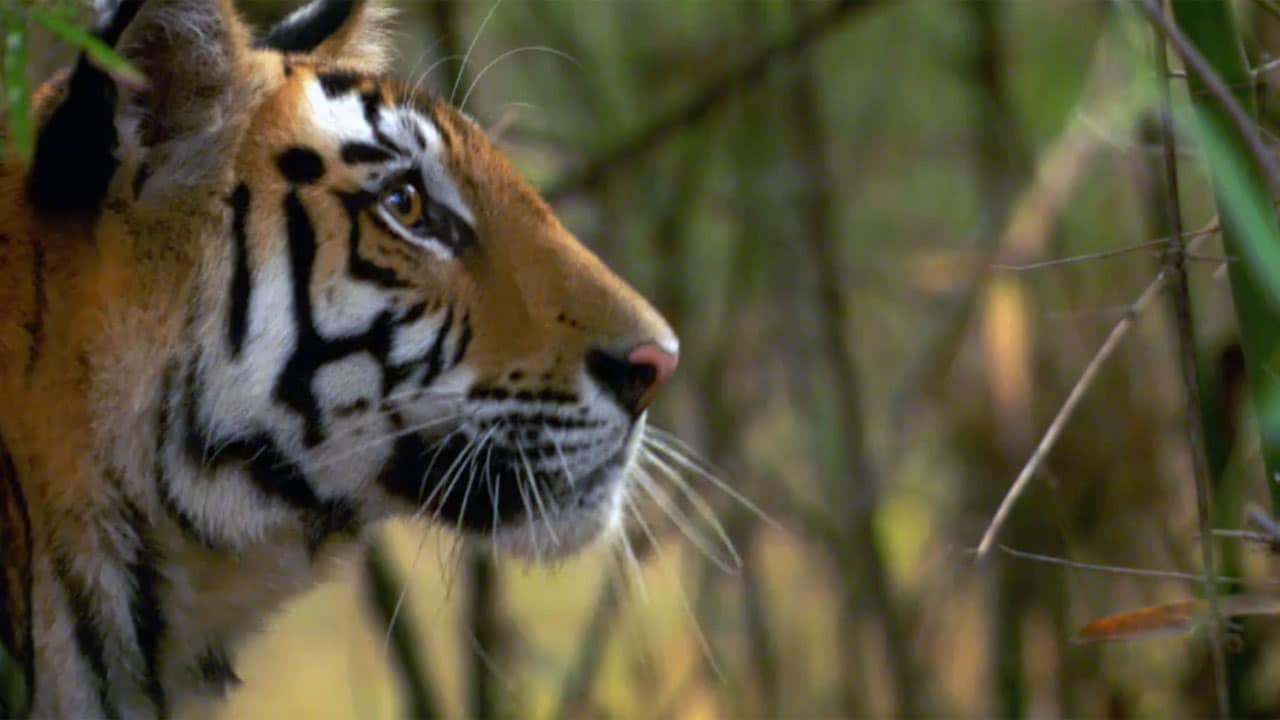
826	198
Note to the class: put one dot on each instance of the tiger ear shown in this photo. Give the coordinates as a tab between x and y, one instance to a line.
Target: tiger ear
191	53
195	55
352	33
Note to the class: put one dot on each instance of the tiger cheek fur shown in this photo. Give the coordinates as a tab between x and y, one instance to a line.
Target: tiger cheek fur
267	301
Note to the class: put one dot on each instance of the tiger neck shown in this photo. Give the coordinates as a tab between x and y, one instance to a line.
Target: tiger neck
146	590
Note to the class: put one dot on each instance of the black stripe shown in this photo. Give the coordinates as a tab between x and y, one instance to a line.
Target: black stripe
335	83
294	385
355	153
15	582
357	265
149	623
40	300
463	341
372	102
164	420
267	467
241	285
214	668
140	179
89	638
435	357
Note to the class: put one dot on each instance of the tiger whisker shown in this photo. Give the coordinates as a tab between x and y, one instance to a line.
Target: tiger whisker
679	452
404	591
452	474
683	523
630	559
564	463
381	414
537	496
333	459
405	93
516	51
684	599
528	511
699	503
417	85
471	479
495	490
471	48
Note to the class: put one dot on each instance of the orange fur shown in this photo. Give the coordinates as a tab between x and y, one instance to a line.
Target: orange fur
96	313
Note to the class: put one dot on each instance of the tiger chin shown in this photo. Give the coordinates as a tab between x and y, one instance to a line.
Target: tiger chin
252	307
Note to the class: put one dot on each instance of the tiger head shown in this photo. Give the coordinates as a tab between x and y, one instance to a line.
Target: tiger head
273	298
383	307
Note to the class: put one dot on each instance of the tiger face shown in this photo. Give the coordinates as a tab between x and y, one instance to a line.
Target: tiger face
261	302
408	327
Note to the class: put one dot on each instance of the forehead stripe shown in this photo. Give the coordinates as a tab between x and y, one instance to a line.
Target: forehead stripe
335	84
355	153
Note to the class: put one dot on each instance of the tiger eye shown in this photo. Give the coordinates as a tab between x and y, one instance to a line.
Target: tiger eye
404	204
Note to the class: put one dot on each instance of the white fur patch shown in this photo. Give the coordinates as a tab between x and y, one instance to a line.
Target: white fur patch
343	118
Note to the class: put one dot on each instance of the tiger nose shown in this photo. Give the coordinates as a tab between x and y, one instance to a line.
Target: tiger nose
635	376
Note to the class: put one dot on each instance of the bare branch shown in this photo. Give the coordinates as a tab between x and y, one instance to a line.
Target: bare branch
1198	66
1068	408
1105	254
1132	572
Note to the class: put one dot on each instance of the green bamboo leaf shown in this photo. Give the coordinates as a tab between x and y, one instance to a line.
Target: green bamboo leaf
17	95
99	53
1250	231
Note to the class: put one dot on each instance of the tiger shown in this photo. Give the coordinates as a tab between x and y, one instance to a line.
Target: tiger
253	306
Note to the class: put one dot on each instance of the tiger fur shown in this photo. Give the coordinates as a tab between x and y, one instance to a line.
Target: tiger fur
254	307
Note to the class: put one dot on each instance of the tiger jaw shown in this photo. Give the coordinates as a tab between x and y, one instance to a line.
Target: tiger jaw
540	482
591	511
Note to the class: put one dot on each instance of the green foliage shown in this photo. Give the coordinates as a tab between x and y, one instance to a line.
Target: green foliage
17	93
17	20
1249	228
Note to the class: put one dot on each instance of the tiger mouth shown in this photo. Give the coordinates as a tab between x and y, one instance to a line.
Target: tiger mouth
486	488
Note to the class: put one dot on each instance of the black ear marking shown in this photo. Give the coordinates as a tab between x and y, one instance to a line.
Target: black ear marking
305	29
75	149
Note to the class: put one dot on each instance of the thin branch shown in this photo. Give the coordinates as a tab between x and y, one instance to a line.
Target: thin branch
1068	408
1180	299
1265	67
1050	437
1270	7
1218	90
666	124
1105	254
1132	572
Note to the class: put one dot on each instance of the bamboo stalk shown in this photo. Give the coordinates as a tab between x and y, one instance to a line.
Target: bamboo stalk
1241	173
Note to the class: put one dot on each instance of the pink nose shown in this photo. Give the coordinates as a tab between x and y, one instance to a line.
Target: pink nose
663	366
